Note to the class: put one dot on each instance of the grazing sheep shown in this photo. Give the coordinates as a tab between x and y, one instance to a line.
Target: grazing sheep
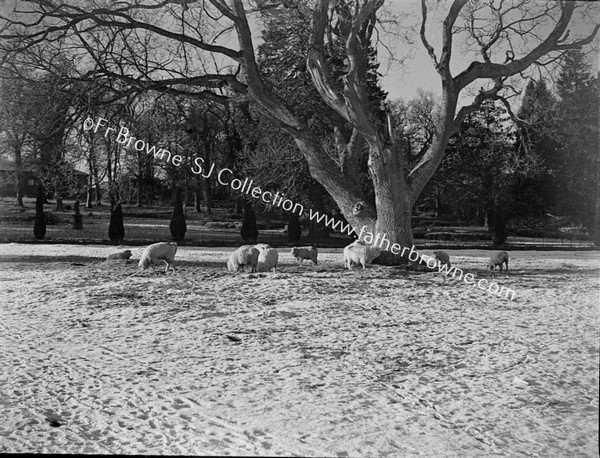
305	252
119	255
246	255
360	253
499	258
267	260
162	251
442	257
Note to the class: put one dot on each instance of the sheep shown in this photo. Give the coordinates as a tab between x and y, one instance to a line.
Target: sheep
442	257
119	255
162	251
262	246
246	255
497	259
305	252
267	260
360	253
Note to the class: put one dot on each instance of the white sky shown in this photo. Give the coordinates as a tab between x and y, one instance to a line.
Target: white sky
419	73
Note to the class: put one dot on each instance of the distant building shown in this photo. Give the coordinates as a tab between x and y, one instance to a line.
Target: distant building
8	179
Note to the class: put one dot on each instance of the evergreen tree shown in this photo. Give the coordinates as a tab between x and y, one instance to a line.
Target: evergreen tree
178	225
536	195
481	167
39	225
249	230
116	229
294	228
579	121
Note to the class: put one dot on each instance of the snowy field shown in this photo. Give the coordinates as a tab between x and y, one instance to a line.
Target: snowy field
98	357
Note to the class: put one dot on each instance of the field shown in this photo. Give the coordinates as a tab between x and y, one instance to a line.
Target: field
99	357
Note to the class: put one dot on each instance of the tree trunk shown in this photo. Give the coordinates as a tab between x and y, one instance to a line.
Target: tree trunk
198	195
393	202
20	180
59	204
98	195
497	223
19	189
90	192
207	196
140	189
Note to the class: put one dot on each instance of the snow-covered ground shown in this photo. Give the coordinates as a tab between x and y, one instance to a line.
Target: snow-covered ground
99	357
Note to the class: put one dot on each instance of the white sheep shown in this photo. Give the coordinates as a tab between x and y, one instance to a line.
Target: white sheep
119	255
442	257
305	252
497	259
246	255
162	251
267	259
360	253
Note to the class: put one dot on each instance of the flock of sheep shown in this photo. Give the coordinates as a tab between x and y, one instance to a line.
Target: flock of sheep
264	258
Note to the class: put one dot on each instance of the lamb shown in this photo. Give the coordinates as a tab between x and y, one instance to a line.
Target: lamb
499	258
267	259
119	255
442	257
246	255
360	253
162	251
305	252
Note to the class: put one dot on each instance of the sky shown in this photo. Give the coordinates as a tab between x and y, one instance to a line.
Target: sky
418	72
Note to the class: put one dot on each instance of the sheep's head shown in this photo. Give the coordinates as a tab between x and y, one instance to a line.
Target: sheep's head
127	254
144	263
294	251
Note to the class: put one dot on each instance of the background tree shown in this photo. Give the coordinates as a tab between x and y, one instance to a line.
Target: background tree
249	231
481	168
116	228
16	113
538	126
178	226
532	32
579	122
39	224
294	230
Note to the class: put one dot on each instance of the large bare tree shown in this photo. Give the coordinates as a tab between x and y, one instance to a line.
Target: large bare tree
180	46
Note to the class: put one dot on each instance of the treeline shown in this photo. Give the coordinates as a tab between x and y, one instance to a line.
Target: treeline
537	162
537	165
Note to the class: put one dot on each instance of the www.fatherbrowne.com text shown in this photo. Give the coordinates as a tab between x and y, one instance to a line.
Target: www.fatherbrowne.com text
225	177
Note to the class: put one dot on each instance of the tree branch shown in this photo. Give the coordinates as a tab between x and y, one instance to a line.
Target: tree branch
552	43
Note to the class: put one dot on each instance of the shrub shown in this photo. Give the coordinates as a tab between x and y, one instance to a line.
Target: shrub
39	224
178	225
294	228
249	230
116	229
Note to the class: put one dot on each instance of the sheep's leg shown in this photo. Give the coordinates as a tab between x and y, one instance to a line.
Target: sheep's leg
506	265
